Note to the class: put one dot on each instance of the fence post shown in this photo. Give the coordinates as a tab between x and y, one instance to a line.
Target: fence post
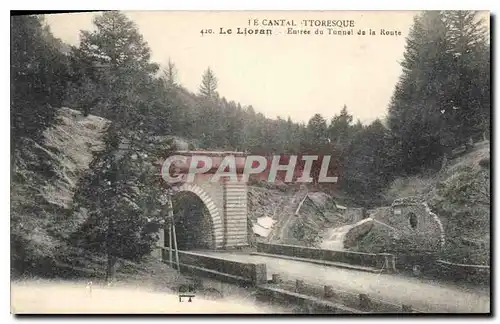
389	262
299	286
258	273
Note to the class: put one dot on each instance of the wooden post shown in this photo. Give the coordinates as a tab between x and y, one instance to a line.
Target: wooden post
170	244
175	248
389	262
299	286
171	217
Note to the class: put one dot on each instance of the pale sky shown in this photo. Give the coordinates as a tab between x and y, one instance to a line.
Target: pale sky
279	75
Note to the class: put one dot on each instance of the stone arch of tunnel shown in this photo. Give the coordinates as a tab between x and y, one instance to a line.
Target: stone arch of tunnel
198	222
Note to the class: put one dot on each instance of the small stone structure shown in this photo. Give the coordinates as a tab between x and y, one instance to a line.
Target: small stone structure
413	213
409	219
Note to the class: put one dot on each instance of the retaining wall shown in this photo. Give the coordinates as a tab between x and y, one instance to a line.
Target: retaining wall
236	271
313	305
334	300
379	261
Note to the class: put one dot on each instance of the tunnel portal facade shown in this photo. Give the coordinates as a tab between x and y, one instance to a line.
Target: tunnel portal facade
209	215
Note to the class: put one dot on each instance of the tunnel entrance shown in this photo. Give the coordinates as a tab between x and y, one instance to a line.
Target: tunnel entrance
193	224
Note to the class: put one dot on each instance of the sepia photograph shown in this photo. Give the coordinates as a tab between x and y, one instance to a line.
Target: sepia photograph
250	162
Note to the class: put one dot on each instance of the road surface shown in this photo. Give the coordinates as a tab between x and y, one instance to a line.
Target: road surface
64	297
421	294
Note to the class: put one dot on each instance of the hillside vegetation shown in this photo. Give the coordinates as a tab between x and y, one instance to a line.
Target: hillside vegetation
44	181
460	195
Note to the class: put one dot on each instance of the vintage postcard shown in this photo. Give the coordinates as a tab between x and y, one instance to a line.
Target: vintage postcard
277	162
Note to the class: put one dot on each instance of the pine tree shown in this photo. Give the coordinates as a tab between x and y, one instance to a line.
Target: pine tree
117	175
208	87
340	129
367	170
293	136
442	97
418	128
252	130
317	133
121	193
39	72
118	53
234	126
169	74
471	94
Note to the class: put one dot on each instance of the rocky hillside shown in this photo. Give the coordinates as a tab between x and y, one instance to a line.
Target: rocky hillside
459	195
44	177
302	216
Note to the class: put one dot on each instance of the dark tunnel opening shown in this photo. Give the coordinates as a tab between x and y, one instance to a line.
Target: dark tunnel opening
193	224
